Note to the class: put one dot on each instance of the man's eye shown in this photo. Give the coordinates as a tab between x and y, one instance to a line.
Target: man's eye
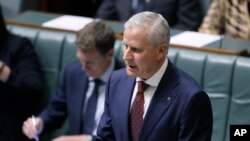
136	49
89	63
126	46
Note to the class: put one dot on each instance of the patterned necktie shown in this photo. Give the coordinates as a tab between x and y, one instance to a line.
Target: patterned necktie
89	116
137	110
140	6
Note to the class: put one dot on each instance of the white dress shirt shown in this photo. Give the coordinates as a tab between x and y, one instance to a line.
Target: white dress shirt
153	83
101	93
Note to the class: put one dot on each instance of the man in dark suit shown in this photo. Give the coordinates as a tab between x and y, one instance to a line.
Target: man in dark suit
95	61
180	14
153	100
86	8
20	83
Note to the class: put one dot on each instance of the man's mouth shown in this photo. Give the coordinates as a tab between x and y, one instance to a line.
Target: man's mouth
131	66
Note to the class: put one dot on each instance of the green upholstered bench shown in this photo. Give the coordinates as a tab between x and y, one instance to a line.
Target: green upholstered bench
214	72
224	77
12	8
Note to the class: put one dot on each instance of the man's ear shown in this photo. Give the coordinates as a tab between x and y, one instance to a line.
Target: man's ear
110	53
162	48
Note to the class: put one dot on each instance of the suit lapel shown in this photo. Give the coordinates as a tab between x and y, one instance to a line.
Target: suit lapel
124	101
80	98
82	86
160	103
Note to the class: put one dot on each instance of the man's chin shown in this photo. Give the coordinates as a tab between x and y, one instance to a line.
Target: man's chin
89	74
130	73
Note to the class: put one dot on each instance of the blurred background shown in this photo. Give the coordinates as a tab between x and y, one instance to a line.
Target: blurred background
12	8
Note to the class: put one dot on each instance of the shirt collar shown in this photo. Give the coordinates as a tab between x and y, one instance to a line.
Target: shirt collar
156	78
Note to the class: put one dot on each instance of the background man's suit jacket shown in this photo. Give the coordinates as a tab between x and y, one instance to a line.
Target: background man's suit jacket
69	99
180	110
180	14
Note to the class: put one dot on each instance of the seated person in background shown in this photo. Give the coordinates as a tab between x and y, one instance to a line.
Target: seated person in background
20	83
80	96
159	101
181	14
85	8
229	17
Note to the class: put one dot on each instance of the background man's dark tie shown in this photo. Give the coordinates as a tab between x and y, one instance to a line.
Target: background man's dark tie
140	6
136	115
89	116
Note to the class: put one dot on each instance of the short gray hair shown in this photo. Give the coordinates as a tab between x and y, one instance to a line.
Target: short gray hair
155	25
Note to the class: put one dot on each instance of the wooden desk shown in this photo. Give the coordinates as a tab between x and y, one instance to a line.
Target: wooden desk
35	19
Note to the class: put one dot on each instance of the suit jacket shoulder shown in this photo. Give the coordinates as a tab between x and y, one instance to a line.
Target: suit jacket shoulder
178	110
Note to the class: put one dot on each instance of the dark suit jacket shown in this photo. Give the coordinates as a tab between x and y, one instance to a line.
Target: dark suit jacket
180	14
69	99
179	111
21	93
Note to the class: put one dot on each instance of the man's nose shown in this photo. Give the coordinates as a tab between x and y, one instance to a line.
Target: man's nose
127	55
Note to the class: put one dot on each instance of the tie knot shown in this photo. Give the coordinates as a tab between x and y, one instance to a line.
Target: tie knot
142	86
98	82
